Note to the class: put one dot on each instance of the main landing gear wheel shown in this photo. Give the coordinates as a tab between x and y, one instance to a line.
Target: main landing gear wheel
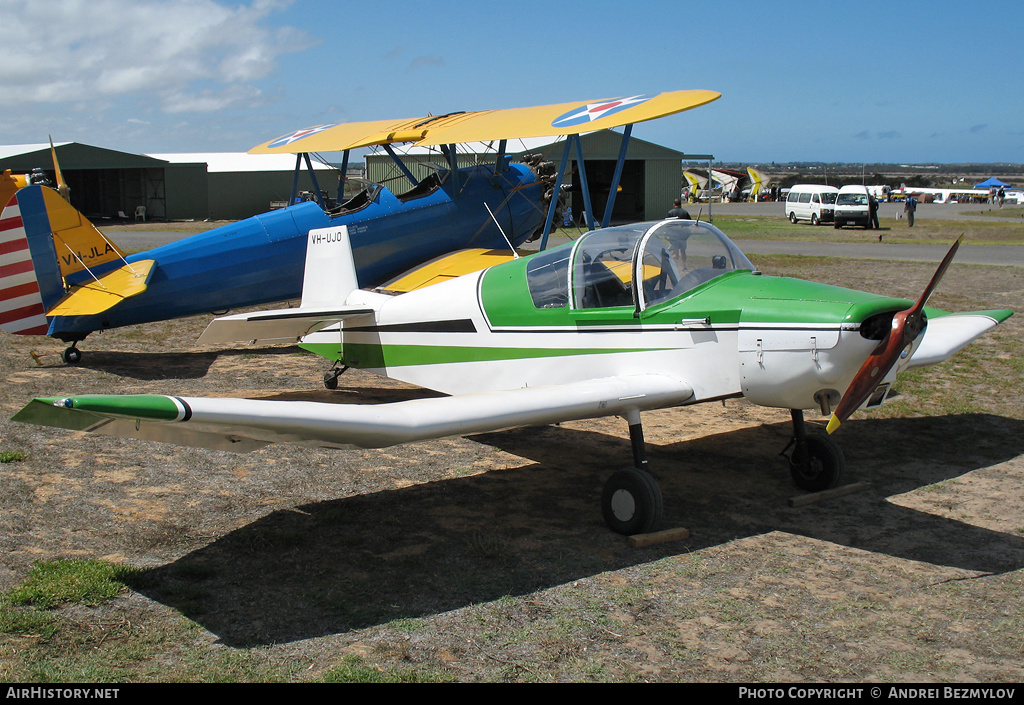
71	356
820	466
631	502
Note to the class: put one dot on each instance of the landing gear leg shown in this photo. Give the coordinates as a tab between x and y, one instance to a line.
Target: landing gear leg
631	501
817	462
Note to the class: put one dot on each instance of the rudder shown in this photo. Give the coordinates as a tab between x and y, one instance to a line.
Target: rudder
43	240
21	302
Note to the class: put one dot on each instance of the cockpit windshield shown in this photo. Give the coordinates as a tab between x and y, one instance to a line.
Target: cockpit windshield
681	255
638	265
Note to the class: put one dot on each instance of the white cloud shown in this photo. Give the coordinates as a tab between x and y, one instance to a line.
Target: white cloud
197	55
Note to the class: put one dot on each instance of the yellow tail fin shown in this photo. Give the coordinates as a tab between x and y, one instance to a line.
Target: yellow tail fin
77	241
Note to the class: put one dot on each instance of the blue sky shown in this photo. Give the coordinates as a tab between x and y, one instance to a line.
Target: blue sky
906	82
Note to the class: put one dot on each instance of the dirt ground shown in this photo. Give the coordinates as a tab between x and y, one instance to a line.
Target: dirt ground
486	558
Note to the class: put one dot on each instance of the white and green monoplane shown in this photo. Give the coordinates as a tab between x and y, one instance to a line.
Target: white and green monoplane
622	321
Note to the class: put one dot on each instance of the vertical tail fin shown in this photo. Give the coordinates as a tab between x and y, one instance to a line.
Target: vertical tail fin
43	240
330	271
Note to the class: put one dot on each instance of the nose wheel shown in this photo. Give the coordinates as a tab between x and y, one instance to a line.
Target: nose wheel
817	462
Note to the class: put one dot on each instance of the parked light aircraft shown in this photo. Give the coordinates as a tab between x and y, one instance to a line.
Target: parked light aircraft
59	276
622	321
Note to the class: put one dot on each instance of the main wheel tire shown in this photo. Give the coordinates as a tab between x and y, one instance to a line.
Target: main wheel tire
631	502
71	356
823	468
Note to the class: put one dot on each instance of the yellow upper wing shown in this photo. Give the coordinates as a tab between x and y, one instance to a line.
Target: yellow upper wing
482	126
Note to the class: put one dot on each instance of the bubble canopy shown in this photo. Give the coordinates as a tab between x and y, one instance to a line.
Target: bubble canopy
639	265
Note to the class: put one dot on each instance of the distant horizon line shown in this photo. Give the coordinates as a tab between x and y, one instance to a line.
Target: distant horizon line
901	165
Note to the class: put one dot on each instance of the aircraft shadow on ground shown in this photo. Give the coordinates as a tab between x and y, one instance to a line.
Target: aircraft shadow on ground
351	563
167	365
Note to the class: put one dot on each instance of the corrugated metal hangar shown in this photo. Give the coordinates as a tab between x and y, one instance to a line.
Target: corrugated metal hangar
108	184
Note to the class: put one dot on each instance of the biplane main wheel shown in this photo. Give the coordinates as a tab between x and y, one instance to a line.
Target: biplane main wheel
631	502
822	468
71	356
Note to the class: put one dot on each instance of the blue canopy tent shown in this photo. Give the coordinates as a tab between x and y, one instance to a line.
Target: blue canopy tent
992	182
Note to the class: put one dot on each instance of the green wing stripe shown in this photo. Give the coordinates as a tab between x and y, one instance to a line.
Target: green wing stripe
142	406
376	356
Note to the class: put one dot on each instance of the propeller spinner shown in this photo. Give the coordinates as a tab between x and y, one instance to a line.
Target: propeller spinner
906	327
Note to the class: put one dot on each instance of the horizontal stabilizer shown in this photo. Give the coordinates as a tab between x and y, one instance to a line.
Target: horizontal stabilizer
106	292
284	325
241	425
945	335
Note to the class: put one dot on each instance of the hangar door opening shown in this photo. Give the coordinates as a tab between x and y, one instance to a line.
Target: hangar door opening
630	200
104	193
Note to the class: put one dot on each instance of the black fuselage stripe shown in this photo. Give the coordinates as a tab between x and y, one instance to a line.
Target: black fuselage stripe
457	326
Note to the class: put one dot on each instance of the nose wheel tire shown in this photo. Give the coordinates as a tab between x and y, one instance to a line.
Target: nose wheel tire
821	468
631	502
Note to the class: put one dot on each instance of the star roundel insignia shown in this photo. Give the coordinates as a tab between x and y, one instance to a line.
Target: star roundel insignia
597	110
298	135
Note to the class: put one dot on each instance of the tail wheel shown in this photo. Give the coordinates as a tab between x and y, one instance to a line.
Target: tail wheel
631	502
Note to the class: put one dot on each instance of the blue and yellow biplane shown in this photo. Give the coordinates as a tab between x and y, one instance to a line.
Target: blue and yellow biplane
61	277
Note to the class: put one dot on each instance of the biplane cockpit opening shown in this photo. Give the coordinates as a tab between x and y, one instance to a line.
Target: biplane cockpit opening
366	195
425	187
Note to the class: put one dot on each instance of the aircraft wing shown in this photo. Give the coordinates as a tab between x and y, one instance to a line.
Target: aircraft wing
945	335
242	425
486	125
279	325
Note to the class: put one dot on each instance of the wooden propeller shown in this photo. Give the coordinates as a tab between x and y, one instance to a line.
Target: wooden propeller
906	327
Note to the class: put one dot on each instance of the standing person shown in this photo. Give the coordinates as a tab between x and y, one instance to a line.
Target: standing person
677	211
873	209
909	206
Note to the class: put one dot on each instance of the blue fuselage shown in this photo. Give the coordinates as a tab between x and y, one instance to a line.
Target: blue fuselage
260	259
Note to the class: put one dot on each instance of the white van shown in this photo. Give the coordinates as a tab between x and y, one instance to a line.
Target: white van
853	207
811	202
